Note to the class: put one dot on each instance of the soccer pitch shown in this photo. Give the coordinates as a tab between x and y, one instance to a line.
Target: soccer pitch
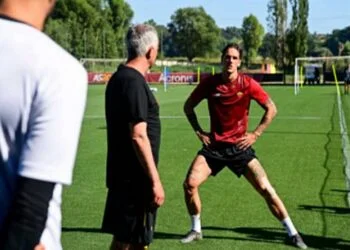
301	151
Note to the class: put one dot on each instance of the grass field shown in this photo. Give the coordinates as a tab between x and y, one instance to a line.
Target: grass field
301	152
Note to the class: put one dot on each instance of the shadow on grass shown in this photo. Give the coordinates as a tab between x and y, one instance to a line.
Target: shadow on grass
268	235
163	235
274	235
326	209
340	190
81	229
212	236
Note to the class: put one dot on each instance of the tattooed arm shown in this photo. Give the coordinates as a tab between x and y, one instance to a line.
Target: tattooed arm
270	113
250	138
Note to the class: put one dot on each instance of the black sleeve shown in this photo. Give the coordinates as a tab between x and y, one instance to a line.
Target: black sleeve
27	219
137	101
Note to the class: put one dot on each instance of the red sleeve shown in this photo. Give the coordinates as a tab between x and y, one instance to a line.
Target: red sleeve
257	92
202	89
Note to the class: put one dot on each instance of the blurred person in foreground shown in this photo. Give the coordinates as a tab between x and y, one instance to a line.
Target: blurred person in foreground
229	144
134	187
42	100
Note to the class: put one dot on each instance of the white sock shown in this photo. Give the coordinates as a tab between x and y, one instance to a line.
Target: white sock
289	226
196	223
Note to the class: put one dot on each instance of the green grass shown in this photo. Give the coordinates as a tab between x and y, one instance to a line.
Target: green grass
301	152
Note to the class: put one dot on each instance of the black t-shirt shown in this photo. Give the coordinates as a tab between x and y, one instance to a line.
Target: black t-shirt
128	99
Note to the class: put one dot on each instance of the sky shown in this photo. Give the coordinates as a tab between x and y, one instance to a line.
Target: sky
324	15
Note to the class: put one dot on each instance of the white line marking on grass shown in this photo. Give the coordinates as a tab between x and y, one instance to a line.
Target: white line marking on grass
207	117
345	146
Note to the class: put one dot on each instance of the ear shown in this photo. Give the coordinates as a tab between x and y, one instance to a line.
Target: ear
149	53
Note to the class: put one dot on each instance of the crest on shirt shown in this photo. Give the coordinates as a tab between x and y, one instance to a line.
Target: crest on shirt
239	93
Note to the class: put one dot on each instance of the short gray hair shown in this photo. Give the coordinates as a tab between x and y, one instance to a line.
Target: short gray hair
140	38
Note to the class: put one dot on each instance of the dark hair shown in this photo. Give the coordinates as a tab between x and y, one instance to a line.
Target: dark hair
229	46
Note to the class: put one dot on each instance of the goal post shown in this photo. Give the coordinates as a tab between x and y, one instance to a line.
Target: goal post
305	68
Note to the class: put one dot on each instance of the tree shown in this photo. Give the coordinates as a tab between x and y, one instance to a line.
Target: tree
90	28
230	35
194	32
338	36
321	52
277	22
267	47
252	34
297	36
120	19
346	51
316	45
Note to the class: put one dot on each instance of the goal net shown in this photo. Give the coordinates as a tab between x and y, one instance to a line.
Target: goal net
319	70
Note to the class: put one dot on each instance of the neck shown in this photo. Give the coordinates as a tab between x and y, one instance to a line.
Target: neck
230	76
140	64
29	12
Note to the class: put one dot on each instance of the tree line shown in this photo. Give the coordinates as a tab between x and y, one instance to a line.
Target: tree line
96	29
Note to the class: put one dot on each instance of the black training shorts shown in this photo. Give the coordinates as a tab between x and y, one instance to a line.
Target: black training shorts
228	155
128	215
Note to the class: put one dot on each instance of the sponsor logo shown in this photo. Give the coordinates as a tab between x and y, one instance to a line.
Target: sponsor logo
175	78
99	77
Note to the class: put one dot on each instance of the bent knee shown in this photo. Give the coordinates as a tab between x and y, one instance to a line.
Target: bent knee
196	176
190	184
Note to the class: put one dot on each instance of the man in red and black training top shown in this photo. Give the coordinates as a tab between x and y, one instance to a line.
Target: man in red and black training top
229	144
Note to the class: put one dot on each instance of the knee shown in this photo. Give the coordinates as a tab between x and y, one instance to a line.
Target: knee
189	186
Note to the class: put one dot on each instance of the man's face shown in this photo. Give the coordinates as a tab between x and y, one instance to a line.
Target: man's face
231	60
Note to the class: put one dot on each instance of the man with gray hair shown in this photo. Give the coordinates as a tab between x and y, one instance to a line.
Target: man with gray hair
134	187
